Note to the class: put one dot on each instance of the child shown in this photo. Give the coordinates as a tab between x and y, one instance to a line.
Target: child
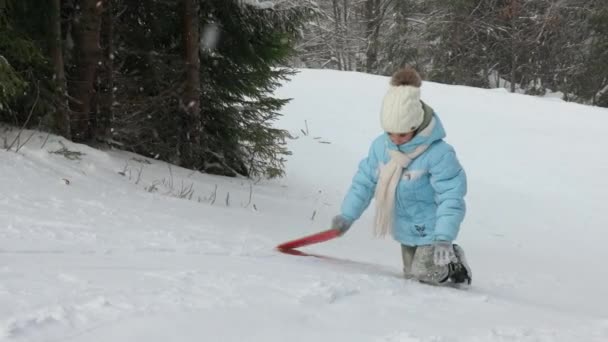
418	185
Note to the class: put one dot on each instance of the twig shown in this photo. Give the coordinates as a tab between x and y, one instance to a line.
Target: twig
141	169
186	192
214	195
171	175
25	142
46	139
141	160
71	155
220	159
152	187
124	170
250	194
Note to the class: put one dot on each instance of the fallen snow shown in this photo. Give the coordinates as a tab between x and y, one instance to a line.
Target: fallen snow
102	249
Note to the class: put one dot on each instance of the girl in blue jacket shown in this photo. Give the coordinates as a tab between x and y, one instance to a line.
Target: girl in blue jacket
418	185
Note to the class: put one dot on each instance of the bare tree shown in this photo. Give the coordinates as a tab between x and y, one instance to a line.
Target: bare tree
376	13
87	23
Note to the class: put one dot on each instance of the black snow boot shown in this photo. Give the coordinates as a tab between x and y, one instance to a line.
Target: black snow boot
460	272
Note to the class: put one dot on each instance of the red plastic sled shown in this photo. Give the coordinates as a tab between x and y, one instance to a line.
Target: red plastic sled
310	239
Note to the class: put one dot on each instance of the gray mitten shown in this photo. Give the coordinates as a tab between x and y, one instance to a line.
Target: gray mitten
443	253
341	223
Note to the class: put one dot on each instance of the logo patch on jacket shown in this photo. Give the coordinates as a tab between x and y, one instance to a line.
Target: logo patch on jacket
420	229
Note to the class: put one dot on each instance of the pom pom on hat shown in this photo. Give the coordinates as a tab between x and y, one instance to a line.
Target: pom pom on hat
406	77
402	110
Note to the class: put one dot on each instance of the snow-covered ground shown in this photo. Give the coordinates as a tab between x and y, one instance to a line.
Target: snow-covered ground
102	248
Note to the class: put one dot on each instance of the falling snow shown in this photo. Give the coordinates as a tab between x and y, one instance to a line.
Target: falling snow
259	3
210	36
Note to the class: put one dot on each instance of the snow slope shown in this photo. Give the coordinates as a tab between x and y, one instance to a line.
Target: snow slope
102	248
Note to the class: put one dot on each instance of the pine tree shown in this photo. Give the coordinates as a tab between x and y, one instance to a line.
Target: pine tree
401	41
589	81
243	56
11	85
240	75
458	42
598	68
26	76
140	79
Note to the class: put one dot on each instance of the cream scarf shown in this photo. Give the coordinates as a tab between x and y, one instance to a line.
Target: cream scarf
388	180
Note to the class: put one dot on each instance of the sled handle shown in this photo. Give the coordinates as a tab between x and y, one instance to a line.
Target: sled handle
310	239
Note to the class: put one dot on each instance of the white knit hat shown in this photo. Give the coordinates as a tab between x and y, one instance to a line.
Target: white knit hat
401	108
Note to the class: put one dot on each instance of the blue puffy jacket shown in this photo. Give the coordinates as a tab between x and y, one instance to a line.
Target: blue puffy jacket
429	198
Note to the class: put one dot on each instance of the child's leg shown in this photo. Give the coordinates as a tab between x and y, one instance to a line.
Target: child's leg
407	253
424	268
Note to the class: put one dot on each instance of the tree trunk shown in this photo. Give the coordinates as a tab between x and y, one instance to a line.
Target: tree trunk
514	36
62	119
337	36
87	54
345	34
513	58
105	117
191	95
373	19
